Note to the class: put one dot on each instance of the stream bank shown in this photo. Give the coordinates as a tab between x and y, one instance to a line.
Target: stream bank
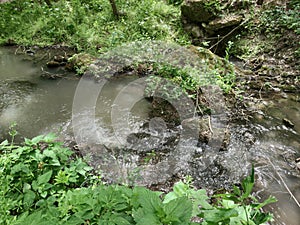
262	122
150	156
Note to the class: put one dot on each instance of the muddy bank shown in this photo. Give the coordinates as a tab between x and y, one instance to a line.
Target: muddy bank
55	61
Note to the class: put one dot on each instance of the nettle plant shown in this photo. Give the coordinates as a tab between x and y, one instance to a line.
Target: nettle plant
42	182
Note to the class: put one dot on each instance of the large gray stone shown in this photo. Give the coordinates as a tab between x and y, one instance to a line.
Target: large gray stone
227	21
197	11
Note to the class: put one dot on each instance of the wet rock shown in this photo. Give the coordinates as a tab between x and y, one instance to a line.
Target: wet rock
79	62
60	59
197	11
198	125
221	23
161	108
57	61
30	52
288	123
226	140
53	64
212	176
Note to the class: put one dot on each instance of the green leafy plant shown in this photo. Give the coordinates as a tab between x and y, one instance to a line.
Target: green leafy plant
42	182
228	49
37	170
245	208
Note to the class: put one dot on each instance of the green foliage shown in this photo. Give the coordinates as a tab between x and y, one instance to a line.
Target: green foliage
88	25
215	6
38	170
172	82
175	2
278	19
228	49
240	207
43	183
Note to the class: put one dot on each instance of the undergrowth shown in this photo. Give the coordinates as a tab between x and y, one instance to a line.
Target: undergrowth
88	25
267	26
42	182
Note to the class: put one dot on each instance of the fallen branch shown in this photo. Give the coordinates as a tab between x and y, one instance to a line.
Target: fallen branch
285	185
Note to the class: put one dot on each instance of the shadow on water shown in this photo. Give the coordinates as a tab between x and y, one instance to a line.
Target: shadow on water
40	106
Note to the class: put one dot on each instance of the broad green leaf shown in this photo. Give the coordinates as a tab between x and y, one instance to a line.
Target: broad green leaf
270	200
113	219
178	211
3	144
218	215
262	218
180	189
44	178
51	137
36	139
141	217
236	191
29	198
20	167
149	200
228	204
248	184
169	197
49	153
200	199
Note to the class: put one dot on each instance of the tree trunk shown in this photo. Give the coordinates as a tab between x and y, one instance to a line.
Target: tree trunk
114	8
48	2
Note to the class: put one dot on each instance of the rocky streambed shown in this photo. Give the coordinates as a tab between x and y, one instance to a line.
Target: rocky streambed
155	140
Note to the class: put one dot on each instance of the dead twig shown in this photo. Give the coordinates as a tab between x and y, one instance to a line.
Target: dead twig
285	185
234	29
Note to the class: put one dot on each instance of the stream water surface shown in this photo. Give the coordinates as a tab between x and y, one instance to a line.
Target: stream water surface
39	106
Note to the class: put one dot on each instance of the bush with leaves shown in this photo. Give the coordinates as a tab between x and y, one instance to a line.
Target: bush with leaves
35	172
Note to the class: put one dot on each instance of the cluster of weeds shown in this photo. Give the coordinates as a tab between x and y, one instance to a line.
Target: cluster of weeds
88	25
279	19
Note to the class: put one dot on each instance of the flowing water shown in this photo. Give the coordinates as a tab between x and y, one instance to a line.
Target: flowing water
39	106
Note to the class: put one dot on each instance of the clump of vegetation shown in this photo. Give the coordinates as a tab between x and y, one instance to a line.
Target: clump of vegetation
88	26
266	27
187	80
42	182
279	19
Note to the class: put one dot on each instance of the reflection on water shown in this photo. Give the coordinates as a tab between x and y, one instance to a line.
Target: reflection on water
32	102
40	106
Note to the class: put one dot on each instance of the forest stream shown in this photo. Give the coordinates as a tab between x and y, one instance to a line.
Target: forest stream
270	139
